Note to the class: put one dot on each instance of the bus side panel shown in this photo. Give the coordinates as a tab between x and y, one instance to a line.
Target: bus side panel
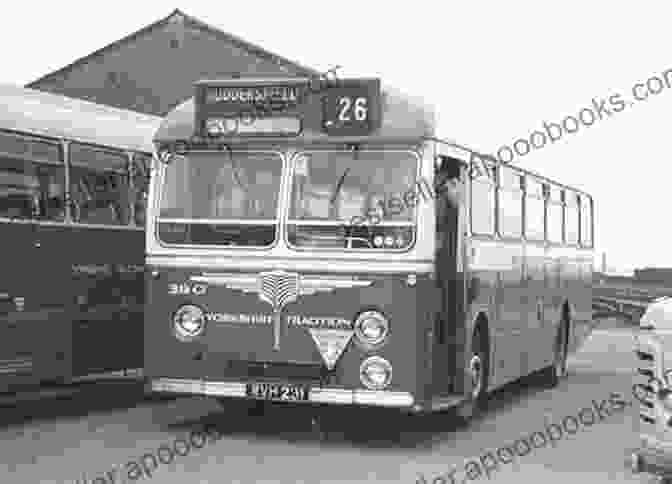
581	294
496	269
17	335
107	331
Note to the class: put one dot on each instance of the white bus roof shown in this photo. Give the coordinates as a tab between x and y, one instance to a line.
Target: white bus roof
403	119
35	112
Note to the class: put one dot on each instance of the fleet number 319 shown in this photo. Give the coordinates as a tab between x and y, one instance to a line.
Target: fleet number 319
187	289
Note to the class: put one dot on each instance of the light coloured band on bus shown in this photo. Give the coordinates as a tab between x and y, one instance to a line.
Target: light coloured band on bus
332	265
316	395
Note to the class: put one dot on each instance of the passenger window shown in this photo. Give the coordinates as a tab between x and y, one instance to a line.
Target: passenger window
554	215
534	211
19	189
99	186
483	205
51	205
510	204
586	221
28	148
571	219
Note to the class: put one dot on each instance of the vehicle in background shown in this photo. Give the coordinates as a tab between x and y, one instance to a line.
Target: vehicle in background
653	388
73	180
261	286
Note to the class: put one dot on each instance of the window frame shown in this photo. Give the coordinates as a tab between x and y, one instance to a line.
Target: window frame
574	203
491	180
515	184
123	172
275	222
586	207
537	194
412	223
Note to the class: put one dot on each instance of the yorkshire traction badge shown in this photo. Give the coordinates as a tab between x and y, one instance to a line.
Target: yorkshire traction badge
331	343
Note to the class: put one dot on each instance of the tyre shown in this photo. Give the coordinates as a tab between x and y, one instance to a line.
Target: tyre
477	371
557	371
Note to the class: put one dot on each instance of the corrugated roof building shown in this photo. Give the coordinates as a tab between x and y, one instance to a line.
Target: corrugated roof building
153	69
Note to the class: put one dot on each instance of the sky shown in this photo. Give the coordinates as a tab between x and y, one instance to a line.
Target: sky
493	71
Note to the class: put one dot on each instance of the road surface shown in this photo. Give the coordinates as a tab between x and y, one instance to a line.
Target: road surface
66	440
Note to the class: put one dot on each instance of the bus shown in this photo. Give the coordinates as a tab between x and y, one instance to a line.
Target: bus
334	250
73	183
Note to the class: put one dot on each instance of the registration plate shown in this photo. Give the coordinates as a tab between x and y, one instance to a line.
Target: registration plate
274	391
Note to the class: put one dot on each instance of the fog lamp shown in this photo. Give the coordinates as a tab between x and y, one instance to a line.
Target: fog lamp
375	373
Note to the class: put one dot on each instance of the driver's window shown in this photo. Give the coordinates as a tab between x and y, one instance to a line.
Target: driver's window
314	187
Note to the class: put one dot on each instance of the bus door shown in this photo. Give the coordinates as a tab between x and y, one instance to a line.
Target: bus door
450	280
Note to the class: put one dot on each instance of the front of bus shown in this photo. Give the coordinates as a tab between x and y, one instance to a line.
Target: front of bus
286	259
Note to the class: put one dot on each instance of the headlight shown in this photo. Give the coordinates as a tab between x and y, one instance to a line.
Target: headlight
375	373
371	328
188	322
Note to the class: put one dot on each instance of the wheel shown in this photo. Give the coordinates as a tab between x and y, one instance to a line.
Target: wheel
478	368
477	371
557	371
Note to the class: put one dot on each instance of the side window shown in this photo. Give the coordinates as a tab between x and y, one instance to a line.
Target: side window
554	214
571	218
51	180
141	169
32	178
483	204
534	210
19	189
510	203
586	221
99	186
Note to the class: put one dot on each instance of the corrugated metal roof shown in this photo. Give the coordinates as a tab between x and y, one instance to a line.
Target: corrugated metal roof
31	111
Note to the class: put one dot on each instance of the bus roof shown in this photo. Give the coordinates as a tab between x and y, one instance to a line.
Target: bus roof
404	119
35	112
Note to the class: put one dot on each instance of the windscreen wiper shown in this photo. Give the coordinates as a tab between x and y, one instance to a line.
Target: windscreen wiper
234	165
338	186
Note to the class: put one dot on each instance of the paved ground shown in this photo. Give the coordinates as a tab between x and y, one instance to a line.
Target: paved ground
59	441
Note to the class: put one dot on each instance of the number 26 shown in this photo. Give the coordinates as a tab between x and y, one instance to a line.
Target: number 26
360	109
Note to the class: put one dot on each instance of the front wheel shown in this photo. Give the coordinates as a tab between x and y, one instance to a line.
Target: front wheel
553	374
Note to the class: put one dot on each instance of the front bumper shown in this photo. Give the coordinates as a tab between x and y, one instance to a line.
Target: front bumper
337	396
653	457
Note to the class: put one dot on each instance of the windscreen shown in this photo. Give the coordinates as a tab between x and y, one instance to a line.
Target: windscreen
224	198
353	200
